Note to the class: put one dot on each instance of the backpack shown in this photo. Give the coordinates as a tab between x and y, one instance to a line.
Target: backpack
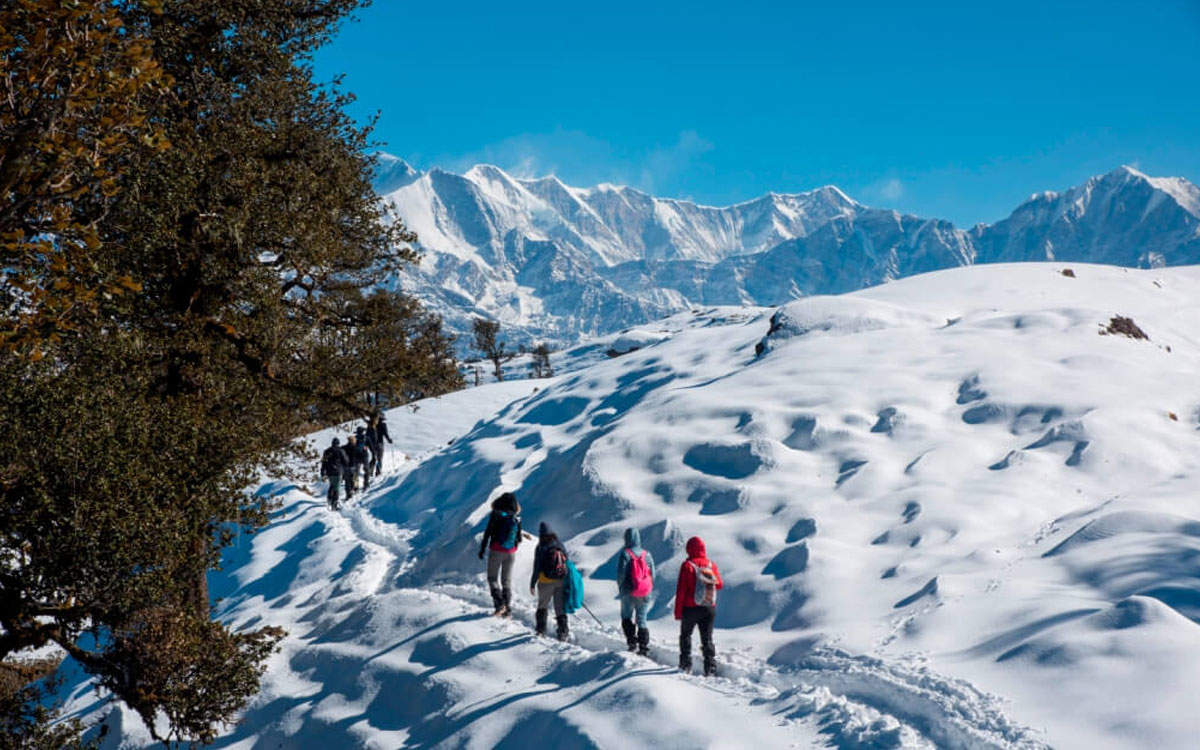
554	563
505	533
640	581
572	589
705	594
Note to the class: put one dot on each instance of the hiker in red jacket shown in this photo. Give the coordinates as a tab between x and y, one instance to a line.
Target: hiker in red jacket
696	605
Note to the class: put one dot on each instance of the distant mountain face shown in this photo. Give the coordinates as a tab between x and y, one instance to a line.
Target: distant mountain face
557	263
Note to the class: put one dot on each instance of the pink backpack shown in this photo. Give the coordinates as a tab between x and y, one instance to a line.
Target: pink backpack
640	582
706	587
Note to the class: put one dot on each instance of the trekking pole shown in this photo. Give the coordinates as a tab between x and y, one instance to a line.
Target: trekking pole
593	614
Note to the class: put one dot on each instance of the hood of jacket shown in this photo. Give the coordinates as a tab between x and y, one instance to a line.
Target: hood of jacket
695	548
633	538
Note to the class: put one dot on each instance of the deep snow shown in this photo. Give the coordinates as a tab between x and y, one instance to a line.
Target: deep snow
951	511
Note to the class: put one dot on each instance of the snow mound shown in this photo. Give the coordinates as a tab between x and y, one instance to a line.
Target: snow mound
839	316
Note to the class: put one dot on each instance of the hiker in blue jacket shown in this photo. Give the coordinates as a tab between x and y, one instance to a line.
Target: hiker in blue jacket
635	584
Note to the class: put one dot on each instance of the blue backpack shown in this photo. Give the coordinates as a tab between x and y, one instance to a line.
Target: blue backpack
573	589
507	528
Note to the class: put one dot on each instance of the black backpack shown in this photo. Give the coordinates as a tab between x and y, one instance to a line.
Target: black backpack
329	462
554	562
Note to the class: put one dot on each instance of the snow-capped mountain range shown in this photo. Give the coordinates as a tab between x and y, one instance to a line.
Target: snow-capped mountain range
559	263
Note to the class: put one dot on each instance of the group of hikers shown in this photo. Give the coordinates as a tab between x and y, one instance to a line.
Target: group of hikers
363	452
555	580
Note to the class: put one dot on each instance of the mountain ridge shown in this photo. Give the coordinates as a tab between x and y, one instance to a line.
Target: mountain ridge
559	263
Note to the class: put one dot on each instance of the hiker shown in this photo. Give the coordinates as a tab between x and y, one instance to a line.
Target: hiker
378	429
366	454
635	581
549	572
501	538
350	469
333	464
696	605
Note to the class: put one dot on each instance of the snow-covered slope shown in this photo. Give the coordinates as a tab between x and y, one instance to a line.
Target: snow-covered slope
951	511
558	263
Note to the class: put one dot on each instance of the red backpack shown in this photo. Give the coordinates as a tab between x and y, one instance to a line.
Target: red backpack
640	581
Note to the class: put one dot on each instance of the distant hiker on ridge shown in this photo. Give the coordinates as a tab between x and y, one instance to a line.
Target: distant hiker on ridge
549	570
333	465
501	538
635	582
378	431
696	605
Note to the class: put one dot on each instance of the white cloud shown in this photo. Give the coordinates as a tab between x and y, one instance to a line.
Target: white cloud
888	190
892	189
583	160
665	164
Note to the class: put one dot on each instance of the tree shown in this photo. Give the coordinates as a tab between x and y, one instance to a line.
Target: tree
487	343
540	363
73	107
256	304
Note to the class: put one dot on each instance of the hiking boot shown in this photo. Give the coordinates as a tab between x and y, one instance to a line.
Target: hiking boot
539	620
497	602
630	634
685	664
562	630
643	641
710	667
507	597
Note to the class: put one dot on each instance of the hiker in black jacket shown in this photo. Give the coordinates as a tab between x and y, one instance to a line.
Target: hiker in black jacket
501	538
549	572
349	471
378	431
333	464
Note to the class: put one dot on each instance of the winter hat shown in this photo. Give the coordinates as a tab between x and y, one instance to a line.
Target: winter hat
695	547
545	530
336	442
633	538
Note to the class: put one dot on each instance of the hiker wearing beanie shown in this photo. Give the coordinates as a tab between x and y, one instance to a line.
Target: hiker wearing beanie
501	538
549	570
635	582
333	464
696	605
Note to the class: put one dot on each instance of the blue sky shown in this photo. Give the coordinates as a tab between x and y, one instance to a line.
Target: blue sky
958	110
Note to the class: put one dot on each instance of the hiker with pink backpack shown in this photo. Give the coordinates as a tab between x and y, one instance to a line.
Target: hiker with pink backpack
696	605
635	582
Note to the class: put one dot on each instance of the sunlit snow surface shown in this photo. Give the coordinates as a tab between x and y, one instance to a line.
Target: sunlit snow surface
948	510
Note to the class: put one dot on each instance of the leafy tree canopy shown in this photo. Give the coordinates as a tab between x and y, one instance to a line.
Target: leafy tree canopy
217	285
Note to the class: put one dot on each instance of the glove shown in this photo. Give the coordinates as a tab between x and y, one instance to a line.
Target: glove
533	591
480	554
